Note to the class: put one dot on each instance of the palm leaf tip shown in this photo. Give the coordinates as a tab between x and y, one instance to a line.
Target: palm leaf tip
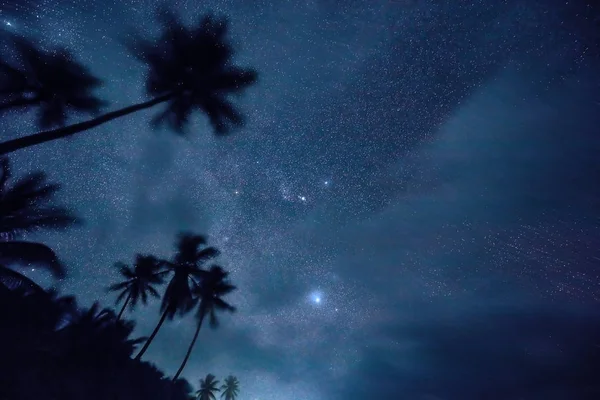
31	254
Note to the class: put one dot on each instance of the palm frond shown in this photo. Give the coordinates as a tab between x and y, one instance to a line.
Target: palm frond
31	254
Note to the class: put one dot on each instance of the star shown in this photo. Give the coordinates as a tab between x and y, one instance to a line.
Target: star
316	297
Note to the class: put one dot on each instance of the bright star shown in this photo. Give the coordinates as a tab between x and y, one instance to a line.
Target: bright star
316	297
7	23
302	198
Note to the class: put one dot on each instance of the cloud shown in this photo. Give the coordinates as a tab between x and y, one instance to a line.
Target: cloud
507	352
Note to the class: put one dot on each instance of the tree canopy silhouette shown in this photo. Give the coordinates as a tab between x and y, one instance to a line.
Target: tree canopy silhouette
71	353
208	387
230	388
27	206
53	82
208	294
191	255
189	69
140	281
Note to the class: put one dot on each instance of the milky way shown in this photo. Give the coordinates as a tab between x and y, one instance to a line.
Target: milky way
402	161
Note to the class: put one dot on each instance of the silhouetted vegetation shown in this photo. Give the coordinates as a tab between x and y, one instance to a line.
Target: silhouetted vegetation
139	281
209	386
189	69
187	270
52	82
231	388
51	347
208	293
27	206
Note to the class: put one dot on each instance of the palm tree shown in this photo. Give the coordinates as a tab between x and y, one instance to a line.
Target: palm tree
51	81
230	388
189	69
139	281
208	387
26	207
190	257
208	294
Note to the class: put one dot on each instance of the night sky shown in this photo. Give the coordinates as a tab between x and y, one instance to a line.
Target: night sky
411	211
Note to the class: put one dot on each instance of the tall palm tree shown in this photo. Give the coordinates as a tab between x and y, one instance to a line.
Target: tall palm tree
208	294
53	81
230	388
191	255
25	207
189	69
208	387
140	280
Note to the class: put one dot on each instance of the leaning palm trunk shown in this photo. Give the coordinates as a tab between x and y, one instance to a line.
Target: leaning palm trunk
189	351
162	319
124	306
41	137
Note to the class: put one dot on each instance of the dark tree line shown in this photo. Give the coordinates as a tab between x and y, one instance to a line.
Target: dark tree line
51	347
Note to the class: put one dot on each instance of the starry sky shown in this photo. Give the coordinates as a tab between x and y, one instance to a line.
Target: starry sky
410	212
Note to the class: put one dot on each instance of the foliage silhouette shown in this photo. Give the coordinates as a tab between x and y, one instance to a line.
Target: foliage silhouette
25	207
72	354
189	69
208	294
140	280
191	255
51	81
208	387
230	388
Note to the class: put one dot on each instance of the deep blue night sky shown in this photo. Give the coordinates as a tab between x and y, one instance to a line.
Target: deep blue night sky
411	211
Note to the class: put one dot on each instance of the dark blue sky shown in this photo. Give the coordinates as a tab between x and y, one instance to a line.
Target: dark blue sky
411	211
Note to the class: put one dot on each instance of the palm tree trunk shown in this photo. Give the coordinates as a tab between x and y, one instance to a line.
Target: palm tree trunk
41	137
189	351
124	305
162	319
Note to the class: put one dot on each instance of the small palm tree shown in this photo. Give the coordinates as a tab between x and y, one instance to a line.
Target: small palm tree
208	294
189	69
139	281
26	207
208	387
51	81
230	388
191	255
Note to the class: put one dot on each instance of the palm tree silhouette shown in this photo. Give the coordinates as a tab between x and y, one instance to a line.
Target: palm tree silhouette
208	387
189	69
26	207
139	281
190	257
230	388
51	81
208	295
